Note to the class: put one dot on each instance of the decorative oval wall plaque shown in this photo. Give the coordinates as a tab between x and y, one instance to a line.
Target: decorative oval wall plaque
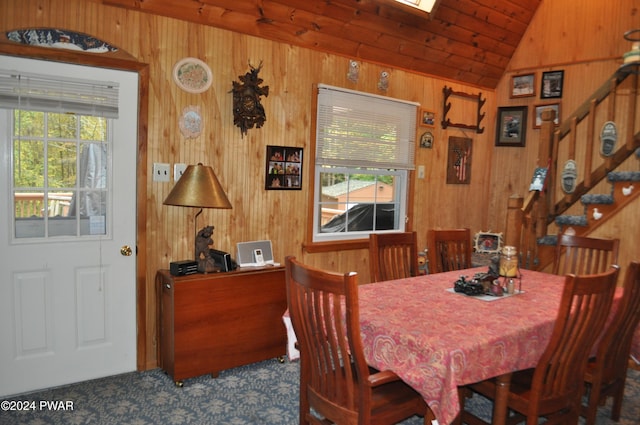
192	75
191	122
608	138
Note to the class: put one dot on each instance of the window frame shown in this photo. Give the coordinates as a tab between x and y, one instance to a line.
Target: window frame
361	240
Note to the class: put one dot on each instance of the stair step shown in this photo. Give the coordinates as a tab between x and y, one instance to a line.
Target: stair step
571	220
596	198
624	176
548	240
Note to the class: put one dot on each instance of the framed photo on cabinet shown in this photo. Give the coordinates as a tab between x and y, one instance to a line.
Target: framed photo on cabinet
537	113
551	85
284	168
511	126
523	85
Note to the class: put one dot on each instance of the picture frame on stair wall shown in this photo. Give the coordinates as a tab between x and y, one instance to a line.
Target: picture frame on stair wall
523	85
537	113
511	126
552	82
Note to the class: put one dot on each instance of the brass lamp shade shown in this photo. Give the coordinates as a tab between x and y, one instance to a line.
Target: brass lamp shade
198	187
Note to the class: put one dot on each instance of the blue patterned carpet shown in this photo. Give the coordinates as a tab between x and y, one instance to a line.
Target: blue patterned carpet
263	393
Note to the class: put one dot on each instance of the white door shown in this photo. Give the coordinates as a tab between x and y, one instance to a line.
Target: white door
68	298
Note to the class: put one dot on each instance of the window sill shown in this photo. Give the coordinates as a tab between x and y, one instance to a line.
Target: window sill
312	247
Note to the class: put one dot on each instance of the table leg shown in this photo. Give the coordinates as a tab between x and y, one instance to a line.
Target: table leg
503	383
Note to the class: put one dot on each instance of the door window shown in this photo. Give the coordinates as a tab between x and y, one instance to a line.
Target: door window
60	172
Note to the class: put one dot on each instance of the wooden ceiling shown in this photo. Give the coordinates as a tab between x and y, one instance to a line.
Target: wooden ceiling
470	41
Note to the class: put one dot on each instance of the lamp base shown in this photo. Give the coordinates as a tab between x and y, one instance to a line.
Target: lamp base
206	263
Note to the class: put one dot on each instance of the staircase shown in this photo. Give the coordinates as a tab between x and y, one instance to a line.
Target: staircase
610	180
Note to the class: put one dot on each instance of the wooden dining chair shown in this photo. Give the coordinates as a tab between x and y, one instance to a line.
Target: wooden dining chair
335	380
584	255
607	371
393	255
553	389
448	249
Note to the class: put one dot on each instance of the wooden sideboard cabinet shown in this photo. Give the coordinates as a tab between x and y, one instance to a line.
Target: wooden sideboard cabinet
216	321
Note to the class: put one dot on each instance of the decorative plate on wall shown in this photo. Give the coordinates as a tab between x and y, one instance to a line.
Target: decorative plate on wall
191	122
192	75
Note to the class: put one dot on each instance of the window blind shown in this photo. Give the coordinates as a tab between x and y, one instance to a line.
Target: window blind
19	90
361	130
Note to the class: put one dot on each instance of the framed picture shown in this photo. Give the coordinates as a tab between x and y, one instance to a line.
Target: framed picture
511	126
427	118
284	168
537	113
486	242
523	85
426	140
459	160
551	85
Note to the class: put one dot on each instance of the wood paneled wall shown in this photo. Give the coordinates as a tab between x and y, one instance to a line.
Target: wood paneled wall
290	73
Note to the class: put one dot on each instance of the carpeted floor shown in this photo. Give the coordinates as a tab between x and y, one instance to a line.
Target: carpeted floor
263	393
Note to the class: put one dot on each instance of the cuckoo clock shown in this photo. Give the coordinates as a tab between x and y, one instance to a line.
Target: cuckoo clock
248	112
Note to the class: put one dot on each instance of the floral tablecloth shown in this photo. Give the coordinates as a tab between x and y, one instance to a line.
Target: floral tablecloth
436	340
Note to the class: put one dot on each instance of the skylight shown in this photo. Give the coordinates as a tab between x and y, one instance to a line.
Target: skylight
424	5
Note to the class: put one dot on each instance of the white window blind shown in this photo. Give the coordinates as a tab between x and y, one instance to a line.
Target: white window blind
19	90
362	130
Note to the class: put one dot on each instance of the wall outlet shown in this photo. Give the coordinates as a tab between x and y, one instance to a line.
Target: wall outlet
161	172
178	170
420	171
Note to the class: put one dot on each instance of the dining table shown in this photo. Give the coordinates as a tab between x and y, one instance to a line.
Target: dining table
437	340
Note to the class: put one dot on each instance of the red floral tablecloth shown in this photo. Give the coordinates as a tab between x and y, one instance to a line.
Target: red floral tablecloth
436	340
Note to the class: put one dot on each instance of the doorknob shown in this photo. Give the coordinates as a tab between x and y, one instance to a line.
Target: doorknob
125	250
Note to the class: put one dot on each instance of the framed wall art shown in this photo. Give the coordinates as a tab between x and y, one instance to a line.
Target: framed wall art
459	160
511	126
486	242
427	118
426	140
537	113
551	85
283	168
523	85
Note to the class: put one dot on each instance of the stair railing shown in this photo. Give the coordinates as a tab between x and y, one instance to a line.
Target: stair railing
540	208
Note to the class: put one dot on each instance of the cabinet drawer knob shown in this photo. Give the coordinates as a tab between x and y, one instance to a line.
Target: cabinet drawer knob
167	285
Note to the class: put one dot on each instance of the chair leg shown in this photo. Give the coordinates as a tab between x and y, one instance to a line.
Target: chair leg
429	417
591	410
618	395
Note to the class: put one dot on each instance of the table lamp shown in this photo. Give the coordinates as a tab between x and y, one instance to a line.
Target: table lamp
199	187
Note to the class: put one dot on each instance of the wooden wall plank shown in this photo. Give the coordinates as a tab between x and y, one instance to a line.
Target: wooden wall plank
290	72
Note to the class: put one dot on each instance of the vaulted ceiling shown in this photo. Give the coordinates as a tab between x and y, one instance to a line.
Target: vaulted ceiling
470	41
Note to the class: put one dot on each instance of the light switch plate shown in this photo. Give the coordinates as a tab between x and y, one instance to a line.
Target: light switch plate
178	170
161	172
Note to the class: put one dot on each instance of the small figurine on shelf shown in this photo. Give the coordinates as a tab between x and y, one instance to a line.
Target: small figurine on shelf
206	264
